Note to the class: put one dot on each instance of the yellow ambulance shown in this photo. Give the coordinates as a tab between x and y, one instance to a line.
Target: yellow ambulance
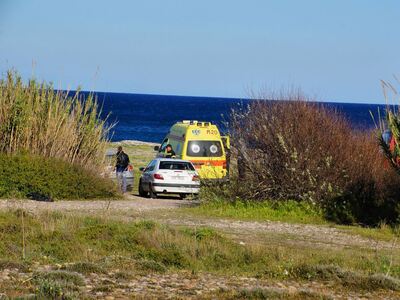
200	143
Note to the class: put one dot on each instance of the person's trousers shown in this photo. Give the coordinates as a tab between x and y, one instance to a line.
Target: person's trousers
121	179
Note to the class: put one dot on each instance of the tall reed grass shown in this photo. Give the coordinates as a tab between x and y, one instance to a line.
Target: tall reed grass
36	119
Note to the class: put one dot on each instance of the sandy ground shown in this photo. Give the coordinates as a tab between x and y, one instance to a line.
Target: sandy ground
130	202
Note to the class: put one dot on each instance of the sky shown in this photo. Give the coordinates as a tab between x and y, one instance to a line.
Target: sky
336	50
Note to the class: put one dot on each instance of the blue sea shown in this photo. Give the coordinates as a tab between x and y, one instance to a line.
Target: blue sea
149	117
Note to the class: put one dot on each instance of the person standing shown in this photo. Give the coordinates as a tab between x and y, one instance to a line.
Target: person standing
121	166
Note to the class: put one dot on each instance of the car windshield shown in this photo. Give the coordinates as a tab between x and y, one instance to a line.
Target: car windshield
176	165
204	149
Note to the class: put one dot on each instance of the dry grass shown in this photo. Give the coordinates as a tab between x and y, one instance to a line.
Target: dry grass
35	118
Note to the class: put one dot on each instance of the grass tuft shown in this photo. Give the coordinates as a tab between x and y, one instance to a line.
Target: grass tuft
84	268
151	265
65	278
269	293
347	278
7	264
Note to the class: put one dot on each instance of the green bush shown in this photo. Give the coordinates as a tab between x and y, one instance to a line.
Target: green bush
346	278
84	268
26	176
49	290
151	265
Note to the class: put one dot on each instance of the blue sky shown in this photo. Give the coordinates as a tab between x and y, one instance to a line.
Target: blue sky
337	50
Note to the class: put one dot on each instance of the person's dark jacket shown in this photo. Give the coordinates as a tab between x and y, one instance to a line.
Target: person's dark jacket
171	153
122	161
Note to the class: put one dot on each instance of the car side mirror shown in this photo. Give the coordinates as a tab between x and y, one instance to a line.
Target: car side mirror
142	169
156	148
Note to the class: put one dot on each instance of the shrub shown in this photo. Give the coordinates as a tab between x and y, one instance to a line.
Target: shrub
37	119
346	278
84	268
41	178
289	150
301	150
151	265
49	290
57	284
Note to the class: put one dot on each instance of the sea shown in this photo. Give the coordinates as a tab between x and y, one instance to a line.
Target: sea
148	118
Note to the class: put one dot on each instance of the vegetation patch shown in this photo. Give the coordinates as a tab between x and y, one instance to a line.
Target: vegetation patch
143	247
269	293
37	119
6	264
151	265
285	211
347	278
46	179
57	284
304	151
66	278
48	289
84	268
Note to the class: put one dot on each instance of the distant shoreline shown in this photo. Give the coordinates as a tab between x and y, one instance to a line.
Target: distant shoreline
133	143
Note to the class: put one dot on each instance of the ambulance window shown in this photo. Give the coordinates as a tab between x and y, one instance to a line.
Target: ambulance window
204	149
163	145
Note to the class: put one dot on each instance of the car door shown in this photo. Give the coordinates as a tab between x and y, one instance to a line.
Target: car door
148	171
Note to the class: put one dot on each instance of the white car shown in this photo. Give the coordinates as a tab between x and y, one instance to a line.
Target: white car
169	176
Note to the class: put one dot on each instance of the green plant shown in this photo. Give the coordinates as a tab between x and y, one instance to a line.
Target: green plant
286	211
27	176
49	290
346	278
84	268
66	278
151	265
142	247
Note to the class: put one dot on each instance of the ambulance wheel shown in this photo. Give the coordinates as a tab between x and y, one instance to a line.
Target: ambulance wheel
142	192
152	194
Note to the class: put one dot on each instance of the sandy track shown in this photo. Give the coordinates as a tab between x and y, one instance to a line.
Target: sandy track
130	202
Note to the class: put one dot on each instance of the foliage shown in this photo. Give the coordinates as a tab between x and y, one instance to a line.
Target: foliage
35	118
300	150
84	268
39	178
145	246
347	278
288	149
284	211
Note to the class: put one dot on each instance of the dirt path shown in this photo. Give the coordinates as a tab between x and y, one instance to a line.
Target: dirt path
165	211
131	202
